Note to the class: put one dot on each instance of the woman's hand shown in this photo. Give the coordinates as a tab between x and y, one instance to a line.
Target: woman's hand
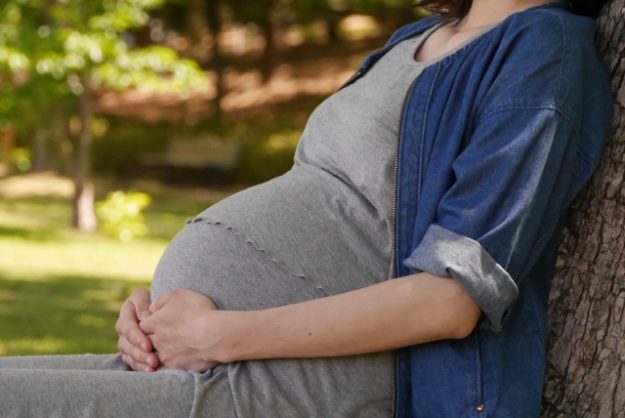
185	329
133	344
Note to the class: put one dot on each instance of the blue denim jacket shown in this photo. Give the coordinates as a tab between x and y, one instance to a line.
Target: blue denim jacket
496	140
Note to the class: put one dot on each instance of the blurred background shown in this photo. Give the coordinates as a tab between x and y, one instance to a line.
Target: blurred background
121	119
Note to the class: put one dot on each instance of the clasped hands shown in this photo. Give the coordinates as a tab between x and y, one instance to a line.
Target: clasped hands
181	330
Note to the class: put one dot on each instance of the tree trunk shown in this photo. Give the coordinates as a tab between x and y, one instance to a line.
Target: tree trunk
585	364
40	148
214	25
196	24
7	141
270	52
62	144
332	28
84	216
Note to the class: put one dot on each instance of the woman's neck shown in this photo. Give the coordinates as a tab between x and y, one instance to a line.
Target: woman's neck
488	12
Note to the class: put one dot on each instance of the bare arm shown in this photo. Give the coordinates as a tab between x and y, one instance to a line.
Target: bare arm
191	334
395	313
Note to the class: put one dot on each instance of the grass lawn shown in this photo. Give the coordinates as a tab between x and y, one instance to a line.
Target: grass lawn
60	290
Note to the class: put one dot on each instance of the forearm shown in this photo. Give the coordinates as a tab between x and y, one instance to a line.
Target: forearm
391	314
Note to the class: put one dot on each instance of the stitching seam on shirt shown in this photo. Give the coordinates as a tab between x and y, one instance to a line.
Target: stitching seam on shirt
426	110
576	131
267	254
525	107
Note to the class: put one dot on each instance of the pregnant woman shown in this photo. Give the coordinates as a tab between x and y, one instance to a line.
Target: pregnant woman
401	267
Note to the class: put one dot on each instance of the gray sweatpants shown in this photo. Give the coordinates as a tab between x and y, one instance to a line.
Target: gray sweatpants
236	274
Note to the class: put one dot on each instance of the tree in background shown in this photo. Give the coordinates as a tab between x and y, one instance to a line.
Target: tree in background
213	15
389	13
70	49
265	14
203	18
198	19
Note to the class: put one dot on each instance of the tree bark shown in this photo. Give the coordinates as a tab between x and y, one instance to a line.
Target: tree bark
270	52
84	215
332	22
40	148
62	144
586	350
7	142
214	25
196	24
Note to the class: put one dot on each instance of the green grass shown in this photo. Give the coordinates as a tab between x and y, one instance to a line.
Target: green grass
60	290
55	314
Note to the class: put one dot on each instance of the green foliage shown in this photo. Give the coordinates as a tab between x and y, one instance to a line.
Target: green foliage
144	69
61	49
12	60
20	158
121	214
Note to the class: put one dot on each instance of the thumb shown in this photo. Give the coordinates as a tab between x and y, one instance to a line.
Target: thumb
143	315
141	302
147	326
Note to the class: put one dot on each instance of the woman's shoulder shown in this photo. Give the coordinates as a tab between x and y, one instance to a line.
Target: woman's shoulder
546	57
550	28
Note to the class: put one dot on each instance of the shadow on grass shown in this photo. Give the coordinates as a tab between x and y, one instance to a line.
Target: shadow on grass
36	235
60	314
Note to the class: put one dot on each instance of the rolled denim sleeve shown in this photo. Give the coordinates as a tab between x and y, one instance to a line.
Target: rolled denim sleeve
444	252
510	188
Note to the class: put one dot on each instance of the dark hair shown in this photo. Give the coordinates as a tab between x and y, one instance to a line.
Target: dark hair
457	9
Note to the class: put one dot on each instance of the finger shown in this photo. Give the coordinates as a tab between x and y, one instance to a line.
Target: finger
136	336
128	326
144	314
140	300
142	360
162	301
127	360
131	363
126	317
138	355
137	367
148	326
126	349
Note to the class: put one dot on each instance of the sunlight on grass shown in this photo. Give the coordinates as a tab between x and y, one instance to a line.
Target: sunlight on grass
59	314
129	261
60	290
46	345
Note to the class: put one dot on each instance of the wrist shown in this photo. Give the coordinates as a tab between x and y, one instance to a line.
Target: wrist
234	335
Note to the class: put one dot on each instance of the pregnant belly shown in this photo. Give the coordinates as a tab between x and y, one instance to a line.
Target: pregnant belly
315	225
298	236
222	264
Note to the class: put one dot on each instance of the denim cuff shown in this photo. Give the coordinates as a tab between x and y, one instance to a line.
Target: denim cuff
445	253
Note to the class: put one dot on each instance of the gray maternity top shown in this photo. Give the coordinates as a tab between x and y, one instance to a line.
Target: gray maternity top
320	229
330	215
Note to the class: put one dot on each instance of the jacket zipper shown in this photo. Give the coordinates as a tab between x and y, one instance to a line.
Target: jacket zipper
394	225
